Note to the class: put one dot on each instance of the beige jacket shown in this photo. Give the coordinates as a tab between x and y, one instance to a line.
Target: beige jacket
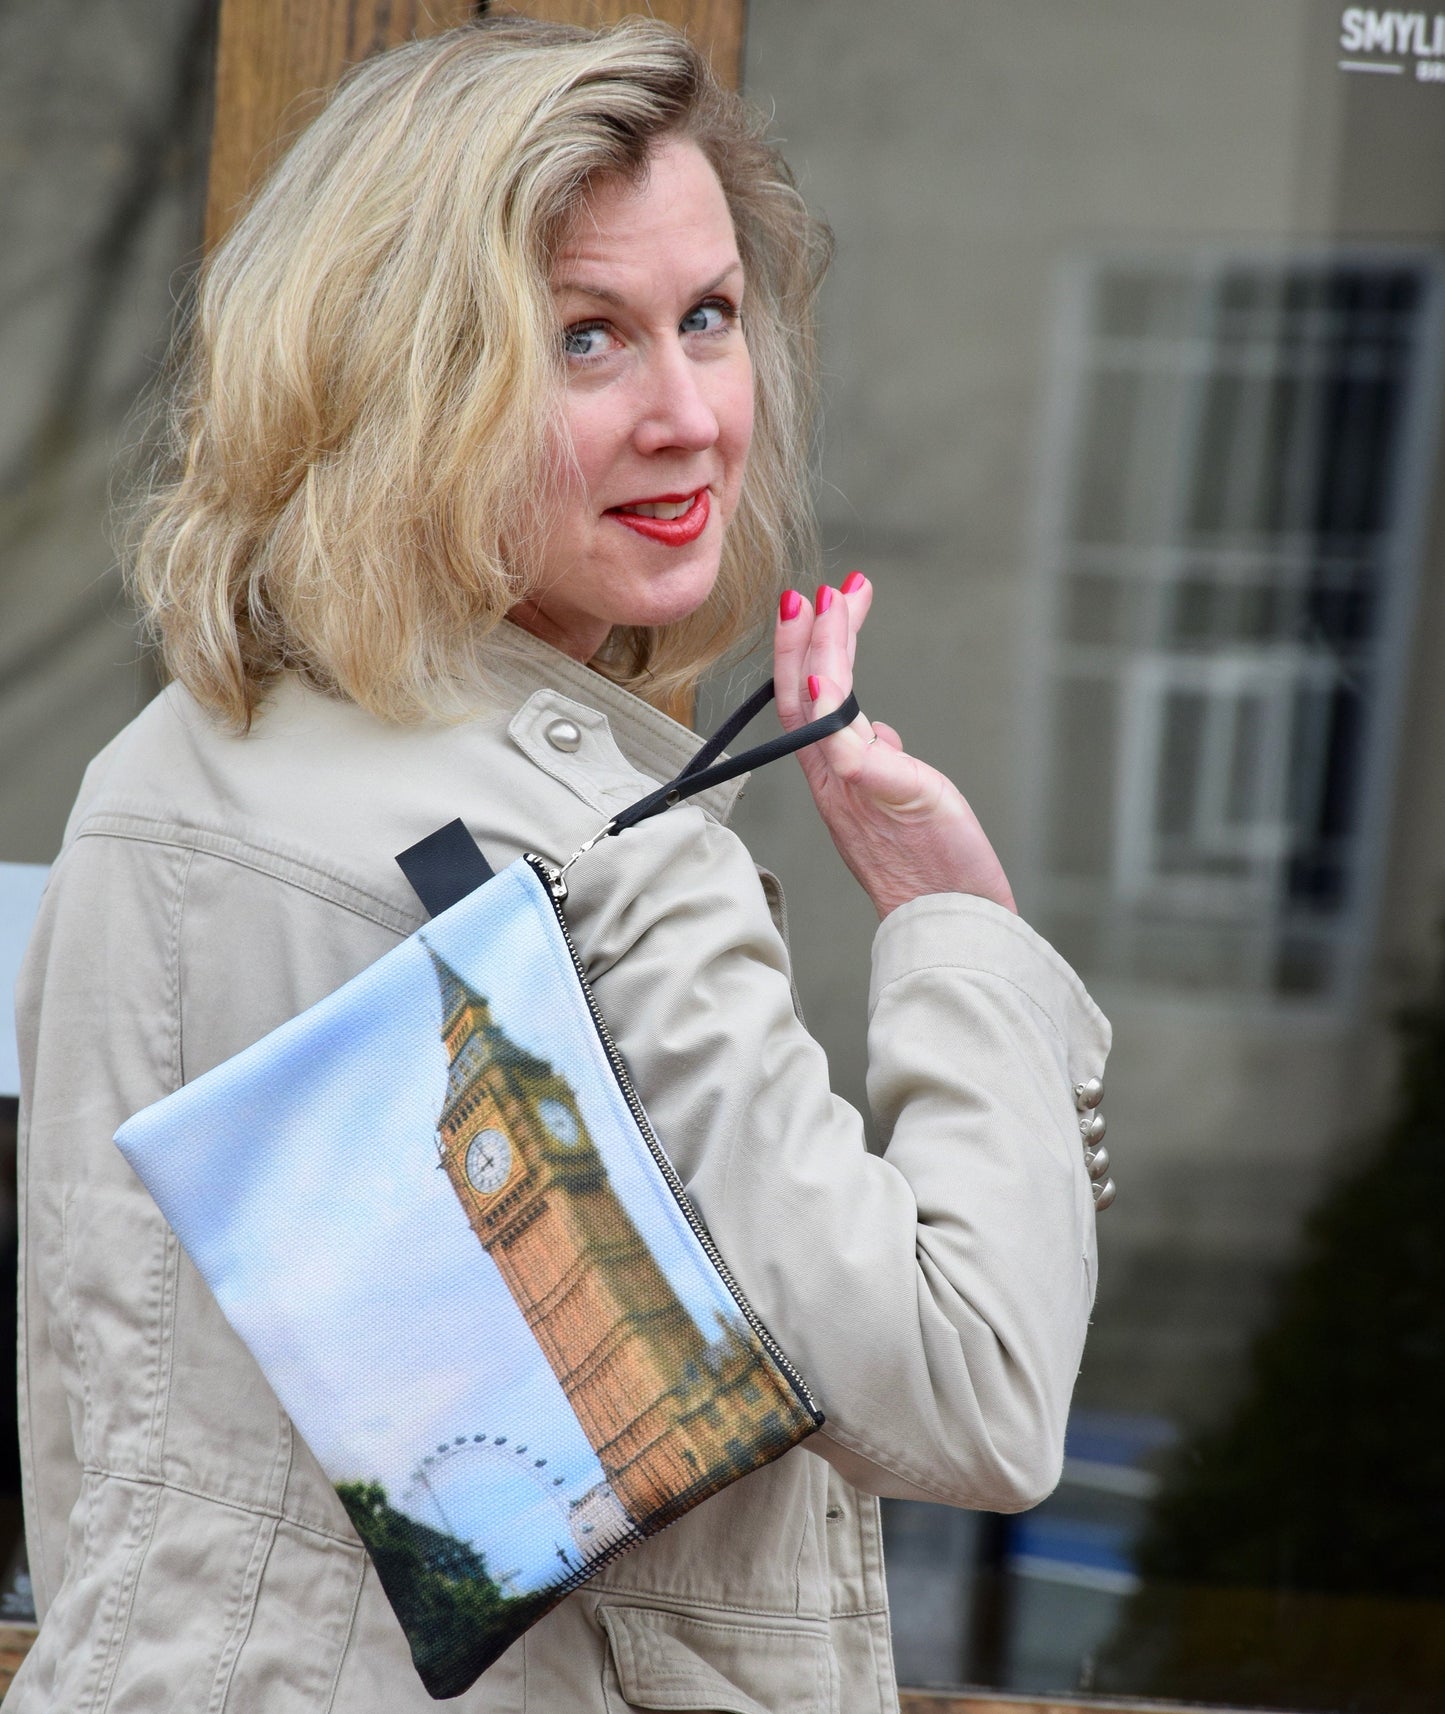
187	1551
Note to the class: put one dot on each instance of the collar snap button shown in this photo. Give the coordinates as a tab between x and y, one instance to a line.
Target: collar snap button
564	735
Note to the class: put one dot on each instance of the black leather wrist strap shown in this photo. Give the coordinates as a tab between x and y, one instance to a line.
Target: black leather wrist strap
448	864
735	722
702	772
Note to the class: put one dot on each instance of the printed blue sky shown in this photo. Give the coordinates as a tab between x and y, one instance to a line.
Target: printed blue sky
302	1178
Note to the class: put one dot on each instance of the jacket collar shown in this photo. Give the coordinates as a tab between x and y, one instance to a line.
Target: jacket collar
654	743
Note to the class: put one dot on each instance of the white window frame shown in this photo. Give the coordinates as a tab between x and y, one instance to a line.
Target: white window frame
1146	676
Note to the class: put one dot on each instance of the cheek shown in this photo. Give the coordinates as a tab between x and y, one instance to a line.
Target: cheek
587	440
736	417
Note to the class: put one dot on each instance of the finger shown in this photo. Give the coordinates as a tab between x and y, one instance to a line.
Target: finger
828	654
858	593
830	657
825	695
887	735
792	637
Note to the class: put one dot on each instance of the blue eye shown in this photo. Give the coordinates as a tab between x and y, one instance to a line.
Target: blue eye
586	339
710	317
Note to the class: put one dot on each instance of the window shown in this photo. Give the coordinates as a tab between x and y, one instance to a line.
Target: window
1238	474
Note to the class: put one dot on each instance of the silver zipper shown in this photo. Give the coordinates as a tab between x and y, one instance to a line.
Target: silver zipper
555	882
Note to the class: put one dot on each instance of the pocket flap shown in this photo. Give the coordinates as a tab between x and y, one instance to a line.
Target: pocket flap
671	1660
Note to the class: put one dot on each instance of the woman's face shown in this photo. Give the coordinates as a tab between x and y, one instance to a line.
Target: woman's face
658	405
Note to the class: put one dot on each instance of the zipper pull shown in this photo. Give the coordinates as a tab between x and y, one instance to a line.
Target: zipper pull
554	878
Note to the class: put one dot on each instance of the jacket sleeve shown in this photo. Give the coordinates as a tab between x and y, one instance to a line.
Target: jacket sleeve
935	1298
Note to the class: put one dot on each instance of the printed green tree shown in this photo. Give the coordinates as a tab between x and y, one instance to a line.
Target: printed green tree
456	1616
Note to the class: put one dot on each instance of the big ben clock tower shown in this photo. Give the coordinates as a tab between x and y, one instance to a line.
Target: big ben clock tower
670	1417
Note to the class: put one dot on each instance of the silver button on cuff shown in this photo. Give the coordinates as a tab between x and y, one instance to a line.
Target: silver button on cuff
564	735
1088	1095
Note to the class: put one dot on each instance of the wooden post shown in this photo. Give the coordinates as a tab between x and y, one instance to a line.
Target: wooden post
275	60
715	26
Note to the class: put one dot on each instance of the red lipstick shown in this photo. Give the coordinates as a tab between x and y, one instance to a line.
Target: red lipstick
671	532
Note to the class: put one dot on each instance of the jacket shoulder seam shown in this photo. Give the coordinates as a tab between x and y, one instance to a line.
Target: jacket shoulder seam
287	867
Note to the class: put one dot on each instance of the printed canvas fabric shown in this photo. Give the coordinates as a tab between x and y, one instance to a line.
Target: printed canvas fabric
427	1208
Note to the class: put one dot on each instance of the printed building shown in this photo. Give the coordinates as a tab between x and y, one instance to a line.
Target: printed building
671	1416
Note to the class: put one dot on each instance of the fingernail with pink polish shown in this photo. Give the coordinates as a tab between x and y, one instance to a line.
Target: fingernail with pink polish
791	605
853	582
825	599
814	688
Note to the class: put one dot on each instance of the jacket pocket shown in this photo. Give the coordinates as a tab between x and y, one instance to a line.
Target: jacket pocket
713	1666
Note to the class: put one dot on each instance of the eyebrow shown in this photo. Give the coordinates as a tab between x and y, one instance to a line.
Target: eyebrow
586	289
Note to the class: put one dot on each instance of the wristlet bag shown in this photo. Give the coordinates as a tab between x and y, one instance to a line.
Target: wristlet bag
433	1208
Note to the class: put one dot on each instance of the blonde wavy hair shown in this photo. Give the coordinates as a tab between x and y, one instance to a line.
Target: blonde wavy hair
358	432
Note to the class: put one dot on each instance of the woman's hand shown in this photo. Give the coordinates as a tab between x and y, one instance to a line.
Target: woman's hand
900	826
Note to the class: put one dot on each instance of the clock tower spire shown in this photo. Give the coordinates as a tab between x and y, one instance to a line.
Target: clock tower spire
671	1416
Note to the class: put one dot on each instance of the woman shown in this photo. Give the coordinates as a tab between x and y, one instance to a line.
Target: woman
491	440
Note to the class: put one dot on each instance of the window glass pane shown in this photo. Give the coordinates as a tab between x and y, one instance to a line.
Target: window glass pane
1136	404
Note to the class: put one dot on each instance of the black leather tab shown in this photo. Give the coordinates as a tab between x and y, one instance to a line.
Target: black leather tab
444	867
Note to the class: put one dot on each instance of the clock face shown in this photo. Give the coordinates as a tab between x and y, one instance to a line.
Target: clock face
560	1121
489	1160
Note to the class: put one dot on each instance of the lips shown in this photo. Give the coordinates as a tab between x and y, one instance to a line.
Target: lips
673	532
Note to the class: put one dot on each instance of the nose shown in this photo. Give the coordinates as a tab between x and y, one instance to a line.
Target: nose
675	411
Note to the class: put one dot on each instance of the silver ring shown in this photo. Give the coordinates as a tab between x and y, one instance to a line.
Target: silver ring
872	740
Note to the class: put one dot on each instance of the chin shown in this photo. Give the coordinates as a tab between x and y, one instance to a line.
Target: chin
678	598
